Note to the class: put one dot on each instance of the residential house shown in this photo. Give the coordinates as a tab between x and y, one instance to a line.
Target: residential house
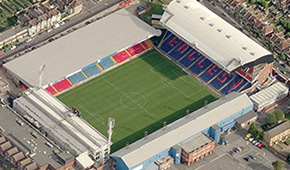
4	147
72	7
21	164
32	166
268	29
278	133
17	157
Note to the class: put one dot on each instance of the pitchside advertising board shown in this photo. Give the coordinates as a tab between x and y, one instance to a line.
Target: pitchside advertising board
125	3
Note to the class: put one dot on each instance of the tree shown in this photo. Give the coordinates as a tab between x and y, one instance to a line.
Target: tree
257	132
278	165
279	114
283	57
251	2
271	119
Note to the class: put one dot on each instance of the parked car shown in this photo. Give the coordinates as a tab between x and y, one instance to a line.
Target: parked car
260	145
286	143
248	136
246	159
252	157
251	139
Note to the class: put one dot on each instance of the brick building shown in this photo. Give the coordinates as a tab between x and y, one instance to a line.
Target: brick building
278	133
196	149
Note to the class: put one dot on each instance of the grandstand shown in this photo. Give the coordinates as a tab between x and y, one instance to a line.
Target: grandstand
211	49
84	53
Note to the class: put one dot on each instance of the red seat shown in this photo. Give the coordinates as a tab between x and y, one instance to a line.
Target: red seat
136	49
145	45
121	56
51	90
62	85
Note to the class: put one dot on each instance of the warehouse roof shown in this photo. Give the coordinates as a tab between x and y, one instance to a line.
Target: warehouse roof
271	92
196	143
183	128
278	129
82	47
212	36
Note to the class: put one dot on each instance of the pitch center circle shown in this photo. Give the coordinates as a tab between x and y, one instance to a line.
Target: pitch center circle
133	100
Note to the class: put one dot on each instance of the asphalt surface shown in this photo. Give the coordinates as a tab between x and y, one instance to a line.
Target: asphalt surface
75	20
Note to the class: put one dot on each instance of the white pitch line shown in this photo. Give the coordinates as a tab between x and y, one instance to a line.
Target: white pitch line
130	99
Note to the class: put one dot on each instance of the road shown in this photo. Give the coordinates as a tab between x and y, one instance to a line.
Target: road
86	14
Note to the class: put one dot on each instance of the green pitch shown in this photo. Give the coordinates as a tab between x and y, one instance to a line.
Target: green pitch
140	95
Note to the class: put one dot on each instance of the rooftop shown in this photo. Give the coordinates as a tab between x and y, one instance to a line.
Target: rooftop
82	47
278	129
248	116
273	91
60	122
196	143
212	36
183	128
38	151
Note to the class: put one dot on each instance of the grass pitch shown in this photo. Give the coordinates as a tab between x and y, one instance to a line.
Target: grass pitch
140	95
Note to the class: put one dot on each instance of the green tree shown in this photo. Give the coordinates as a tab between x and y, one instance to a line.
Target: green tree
278	165
253	128
283	57
251	2
279	114
271	119
257	132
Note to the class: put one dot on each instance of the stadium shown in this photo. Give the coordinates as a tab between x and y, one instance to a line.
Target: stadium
146	79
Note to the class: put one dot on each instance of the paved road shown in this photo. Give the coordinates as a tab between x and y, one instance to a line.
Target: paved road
88	13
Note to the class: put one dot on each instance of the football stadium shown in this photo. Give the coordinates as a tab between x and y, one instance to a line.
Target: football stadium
198	66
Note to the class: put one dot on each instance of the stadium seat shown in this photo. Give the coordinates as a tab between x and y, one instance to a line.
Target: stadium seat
180	51
210	73
200	65
221	80
234	85
51	90
107	62
136	49
77	77
170	43
190	58
91	70
121	56
62	85
248	85
145	45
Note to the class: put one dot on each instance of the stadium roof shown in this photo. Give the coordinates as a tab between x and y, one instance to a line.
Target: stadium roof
60	122
272	92
212	36
82	47
183	128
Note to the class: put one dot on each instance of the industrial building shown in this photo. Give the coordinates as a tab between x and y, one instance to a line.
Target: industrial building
63	127
212	120
269	96
23	146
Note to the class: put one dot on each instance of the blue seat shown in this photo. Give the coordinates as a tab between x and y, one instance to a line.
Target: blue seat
246	87
180	51
107	62
210	73
233	85
77	77
166	47
190	58
220	80
91	70
200	66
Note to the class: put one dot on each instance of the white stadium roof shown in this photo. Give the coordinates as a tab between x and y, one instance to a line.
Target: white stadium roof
211	35
82	47
60	122
183	128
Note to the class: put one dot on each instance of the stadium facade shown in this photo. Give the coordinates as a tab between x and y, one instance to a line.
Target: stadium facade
212	50
83	54
212	120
